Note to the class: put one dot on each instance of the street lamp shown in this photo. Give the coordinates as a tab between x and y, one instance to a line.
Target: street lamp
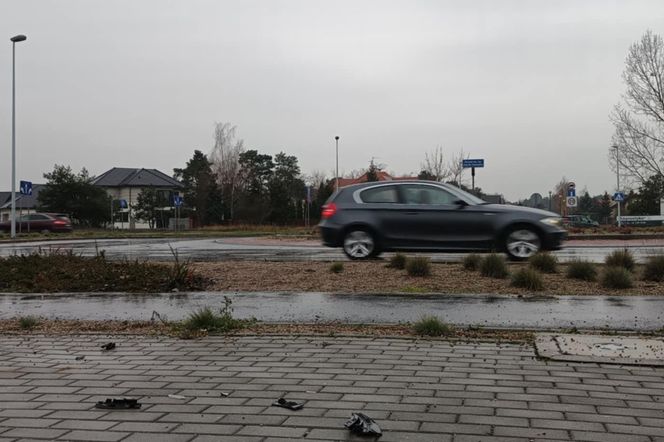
615	146
336	139
14	40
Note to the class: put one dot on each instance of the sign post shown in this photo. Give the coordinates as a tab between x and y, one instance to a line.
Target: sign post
25	188
472	164
177	202
571	200
619	197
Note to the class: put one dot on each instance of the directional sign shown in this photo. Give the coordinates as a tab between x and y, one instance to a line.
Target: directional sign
619	196
177	201
571	189
123	204
472	163
571	201
25	188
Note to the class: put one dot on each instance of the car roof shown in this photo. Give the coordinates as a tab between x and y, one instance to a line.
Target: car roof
388	182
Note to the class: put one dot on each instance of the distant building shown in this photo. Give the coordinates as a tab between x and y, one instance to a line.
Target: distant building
494	199
126	184
25	204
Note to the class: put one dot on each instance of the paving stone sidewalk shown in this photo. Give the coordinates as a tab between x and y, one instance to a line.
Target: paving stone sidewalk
417	390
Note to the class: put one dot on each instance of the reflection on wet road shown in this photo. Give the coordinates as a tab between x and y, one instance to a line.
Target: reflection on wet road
623	313
227	249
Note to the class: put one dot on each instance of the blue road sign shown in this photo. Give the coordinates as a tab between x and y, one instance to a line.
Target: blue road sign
619	196
123	204
571	192
177	200
25	187
473	163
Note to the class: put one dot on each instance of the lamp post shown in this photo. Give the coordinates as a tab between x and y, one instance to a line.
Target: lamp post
615	146
14	40
336	139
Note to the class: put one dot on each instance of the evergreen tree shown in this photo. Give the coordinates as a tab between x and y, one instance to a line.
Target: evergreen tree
75	195
202	196
647	200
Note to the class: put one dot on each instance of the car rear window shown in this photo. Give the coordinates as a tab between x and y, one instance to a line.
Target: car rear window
382	194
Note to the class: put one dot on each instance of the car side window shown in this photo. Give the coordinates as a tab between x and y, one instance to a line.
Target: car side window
382	194
429	195
37	217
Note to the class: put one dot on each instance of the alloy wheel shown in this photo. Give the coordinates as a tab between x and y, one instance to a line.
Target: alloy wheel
523	243
359	244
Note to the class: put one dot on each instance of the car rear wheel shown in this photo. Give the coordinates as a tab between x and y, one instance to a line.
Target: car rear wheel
360	244
522	243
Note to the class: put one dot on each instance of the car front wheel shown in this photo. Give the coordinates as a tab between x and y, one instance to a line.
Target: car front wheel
360	244
522	243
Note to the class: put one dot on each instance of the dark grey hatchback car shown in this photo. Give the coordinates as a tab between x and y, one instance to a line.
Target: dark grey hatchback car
369	218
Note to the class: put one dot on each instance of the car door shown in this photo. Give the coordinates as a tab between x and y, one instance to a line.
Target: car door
39	222
437	220
378	207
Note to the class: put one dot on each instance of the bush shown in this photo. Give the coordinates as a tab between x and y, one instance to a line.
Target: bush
494	266
582	270
54	271
432	326
617	278
544	262
528	279
620	258
207	319
28	322
398	261
472	262
337	267
654	269
418	266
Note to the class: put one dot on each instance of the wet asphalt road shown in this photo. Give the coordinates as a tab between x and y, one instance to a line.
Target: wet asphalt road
583	312
211	249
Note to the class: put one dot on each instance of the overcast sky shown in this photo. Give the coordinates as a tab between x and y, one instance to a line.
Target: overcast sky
526	85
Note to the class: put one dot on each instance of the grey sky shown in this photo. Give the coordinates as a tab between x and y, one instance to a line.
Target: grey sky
527	85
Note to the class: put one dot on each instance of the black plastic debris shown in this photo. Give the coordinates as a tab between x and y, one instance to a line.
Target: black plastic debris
363	425
291	405
80	358
109	346
118	404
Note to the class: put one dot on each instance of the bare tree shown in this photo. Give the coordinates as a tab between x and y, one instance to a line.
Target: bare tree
355	173
226	162
559	194
639	122
456	169
316	178
434	165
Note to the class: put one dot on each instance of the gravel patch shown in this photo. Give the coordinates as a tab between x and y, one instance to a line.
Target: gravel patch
375	277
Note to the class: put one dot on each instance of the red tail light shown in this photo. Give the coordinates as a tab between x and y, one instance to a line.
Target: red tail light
328	210
58	222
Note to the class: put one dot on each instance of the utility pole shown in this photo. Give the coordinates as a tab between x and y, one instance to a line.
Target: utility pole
336	139
14	40
618	181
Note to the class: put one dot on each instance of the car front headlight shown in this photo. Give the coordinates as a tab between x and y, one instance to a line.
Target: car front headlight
555	221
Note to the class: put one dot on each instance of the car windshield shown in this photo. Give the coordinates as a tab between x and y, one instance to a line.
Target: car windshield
468	197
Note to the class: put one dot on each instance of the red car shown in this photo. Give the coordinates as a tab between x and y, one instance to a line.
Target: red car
39	222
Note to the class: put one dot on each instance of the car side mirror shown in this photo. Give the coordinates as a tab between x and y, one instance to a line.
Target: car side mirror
460	203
